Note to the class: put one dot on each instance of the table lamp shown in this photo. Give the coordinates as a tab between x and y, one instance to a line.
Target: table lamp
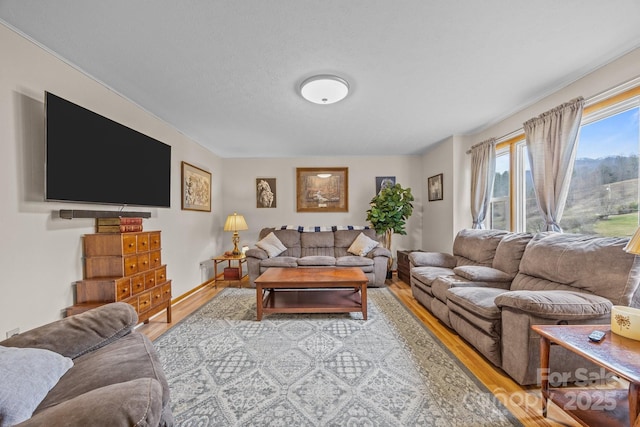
235	223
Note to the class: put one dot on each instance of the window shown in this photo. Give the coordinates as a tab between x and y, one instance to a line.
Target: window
603	195
500	207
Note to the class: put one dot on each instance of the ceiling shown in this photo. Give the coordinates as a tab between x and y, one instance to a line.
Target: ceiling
227	73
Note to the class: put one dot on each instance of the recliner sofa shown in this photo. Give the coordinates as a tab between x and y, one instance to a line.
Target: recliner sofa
116	378
561	279
327	247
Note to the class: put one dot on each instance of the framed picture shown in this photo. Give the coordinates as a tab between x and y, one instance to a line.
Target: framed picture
265	192
322	189
434	187
384	182
196	188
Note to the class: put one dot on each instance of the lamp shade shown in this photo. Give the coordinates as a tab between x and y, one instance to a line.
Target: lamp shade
633	246
324	89
235	222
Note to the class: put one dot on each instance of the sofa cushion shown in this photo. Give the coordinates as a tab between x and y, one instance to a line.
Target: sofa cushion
475	300
317	243
344	238
126	359
426	275
559	305
271	245
596	265
477	247
442	284
479	273
289	238
280	261
509	252
27	376
366	264
362	245
317	261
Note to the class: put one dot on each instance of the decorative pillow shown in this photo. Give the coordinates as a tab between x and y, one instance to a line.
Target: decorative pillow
27	376
271	245
362	245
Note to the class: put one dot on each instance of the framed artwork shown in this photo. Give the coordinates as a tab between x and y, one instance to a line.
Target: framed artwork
322	189
384	182
434	187
196	188
266	192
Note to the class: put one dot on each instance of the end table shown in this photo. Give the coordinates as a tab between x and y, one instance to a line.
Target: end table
239	259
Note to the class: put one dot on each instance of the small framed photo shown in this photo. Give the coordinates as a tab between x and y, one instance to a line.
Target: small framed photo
434	187
322	189
383	182
266	193
196	188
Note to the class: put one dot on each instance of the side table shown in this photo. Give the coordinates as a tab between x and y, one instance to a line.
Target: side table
239	259
615	353
404	272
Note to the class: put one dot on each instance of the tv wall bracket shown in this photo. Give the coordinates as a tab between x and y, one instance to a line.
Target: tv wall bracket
71	213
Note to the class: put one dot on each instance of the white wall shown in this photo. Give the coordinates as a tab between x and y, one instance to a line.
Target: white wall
239	193
40	254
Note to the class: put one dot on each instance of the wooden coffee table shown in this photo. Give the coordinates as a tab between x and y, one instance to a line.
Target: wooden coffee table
615	353
311	290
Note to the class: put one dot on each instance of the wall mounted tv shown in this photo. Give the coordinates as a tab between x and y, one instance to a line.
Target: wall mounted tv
92	159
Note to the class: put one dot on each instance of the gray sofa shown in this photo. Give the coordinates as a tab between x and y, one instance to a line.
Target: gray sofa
115	379
560	279
307	248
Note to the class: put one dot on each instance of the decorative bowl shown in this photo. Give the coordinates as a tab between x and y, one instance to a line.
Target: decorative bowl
625	321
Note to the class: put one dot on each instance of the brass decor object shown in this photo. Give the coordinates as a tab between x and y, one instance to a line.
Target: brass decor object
235	223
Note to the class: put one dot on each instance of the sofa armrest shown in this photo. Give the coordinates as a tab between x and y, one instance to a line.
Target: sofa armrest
76	335
432	259
257	253
131	403
558	305
379	251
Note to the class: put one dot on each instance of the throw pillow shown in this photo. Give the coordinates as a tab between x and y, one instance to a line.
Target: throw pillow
27	376
271	245
362	245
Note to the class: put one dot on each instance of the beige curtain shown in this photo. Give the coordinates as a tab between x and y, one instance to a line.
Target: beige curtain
483	172
552	144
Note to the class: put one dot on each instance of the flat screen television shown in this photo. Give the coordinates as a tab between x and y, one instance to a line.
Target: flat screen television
93	159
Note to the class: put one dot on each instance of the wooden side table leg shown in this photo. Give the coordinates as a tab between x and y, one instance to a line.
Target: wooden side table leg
634	389
363	300
215	273
544	373
259	301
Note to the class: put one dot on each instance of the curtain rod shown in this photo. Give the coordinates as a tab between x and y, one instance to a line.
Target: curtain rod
607	93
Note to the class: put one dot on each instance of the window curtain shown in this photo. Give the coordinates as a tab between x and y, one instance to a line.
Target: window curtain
483	173
552	144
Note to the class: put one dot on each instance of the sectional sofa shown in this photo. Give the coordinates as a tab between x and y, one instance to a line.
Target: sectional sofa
496	284
320	247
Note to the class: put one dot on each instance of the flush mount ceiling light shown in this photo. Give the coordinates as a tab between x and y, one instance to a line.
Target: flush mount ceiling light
324	89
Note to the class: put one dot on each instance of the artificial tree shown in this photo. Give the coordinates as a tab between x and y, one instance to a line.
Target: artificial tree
390	209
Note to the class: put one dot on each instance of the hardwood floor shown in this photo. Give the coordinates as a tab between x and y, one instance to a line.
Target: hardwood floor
523	402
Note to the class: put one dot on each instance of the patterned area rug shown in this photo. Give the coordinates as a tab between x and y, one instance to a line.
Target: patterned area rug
226	369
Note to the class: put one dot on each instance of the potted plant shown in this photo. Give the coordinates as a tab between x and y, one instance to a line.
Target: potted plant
390	209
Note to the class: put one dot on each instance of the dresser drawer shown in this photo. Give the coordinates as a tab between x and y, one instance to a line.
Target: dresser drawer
143	262
155	259
149	279
156	296
166	291
144	302
154	241
103	290
106	244
161	275
137	284
110	266
142	242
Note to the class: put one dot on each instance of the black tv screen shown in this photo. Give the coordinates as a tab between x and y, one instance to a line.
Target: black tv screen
90	158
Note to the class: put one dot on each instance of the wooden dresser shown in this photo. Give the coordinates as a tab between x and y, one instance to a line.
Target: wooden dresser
124	267
403	266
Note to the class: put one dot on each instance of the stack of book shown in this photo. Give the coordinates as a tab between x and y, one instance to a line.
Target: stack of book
118	225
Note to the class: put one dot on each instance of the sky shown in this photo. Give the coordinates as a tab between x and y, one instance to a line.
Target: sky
617	135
